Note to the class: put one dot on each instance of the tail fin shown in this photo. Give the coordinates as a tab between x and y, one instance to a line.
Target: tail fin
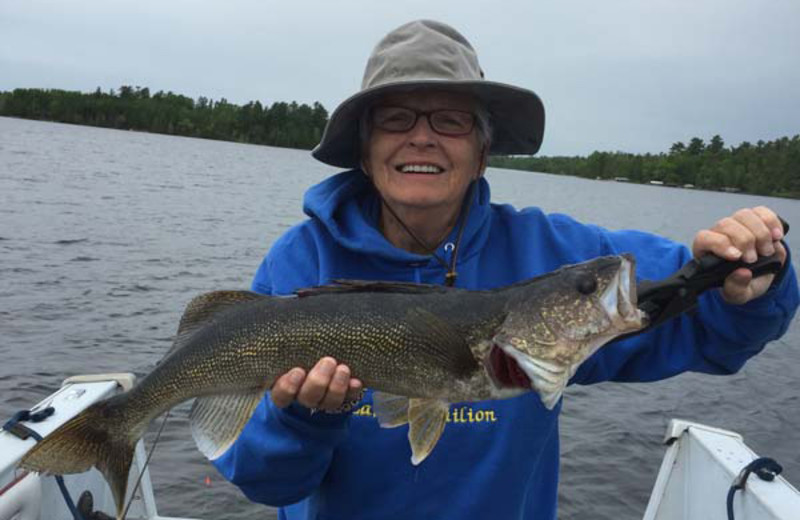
100	437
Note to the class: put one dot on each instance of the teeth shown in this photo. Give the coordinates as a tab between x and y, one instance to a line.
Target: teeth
420	168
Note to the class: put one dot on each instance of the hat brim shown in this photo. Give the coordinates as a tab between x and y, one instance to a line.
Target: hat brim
517	118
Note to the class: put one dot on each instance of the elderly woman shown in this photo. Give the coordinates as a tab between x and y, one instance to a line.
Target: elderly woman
414	206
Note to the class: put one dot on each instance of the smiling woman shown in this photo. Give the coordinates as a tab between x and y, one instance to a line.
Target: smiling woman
421	172
414	206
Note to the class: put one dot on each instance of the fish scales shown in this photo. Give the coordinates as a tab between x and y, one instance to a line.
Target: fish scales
418	347
369	332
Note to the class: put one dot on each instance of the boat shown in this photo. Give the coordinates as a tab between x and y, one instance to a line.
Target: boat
699	468
701	478
30	496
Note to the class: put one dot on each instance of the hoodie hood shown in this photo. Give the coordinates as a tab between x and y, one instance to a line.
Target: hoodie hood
348	207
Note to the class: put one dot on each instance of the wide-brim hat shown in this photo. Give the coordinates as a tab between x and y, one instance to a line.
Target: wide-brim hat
425	54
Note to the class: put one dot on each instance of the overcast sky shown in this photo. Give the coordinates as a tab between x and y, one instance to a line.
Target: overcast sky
631	75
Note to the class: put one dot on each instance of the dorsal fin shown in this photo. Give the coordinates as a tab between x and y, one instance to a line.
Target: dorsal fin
356	286
202	308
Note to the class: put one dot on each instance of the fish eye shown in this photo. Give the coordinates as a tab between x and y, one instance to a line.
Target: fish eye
586	284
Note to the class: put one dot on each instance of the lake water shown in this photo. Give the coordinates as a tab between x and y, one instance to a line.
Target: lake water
105	235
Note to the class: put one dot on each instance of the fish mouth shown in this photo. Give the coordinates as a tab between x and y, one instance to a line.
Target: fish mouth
620	299
505	370
510	366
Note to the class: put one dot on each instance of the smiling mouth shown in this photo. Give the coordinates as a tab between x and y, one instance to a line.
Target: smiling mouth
426	169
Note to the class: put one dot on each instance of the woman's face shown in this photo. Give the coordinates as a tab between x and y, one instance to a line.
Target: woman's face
420	169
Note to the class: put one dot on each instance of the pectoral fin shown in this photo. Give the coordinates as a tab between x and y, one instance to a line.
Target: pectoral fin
218	420
427	418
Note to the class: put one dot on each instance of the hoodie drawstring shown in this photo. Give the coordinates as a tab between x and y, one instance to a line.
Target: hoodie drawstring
451	274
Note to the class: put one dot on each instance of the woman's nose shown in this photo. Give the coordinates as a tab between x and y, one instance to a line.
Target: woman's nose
422	134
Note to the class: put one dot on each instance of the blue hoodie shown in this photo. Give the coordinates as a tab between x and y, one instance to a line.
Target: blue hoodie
497	459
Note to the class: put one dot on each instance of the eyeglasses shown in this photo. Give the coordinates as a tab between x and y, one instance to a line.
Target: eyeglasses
400	119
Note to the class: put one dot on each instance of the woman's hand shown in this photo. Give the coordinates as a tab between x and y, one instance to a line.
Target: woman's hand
745	235
327	386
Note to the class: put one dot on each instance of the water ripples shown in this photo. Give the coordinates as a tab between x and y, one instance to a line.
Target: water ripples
107	235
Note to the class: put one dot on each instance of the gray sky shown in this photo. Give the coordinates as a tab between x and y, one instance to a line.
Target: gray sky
631	75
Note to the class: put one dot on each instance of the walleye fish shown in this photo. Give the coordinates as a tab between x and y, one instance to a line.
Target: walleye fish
419	347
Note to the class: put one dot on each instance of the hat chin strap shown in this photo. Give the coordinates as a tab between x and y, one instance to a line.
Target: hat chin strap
484	161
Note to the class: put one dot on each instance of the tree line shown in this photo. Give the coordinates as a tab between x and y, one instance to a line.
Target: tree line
765	168
134	108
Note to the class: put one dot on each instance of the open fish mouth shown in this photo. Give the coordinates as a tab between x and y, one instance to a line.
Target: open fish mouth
620	299
510	366
619	303
505	370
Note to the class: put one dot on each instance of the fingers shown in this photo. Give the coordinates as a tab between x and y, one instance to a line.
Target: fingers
736	288
326	386
715	242
354	390
772	221
316	384
781	252
754	234
337	388
745	235
285	389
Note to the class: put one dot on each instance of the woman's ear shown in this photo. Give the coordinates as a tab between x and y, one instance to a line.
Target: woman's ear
363	165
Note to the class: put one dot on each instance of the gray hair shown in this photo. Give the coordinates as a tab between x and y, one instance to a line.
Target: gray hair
483	125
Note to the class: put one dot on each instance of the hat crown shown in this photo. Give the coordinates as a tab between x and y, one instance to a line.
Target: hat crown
422	50
425	54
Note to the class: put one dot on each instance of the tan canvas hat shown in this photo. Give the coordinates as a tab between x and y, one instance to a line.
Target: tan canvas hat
425	54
